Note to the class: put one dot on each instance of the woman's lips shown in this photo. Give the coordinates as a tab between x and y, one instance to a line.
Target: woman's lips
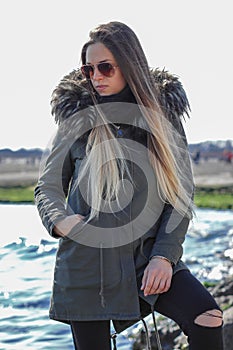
101	87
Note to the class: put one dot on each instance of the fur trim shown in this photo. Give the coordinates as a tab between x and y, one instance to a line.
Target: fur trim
172	97
69	96
72	94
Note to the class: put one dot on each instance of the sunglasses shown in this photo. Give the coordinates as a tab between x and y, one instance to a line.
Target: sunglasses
105	68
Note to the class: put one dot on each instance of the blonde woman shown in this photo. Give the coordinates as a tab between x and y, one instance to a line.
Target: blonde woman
117	190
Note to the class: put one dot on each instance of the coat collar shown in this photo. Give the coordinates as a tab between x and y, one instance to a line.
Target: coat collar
73	94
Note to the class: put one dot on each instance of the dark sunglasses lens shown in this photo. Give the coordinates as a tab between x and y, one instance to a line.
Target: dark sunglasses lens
87	71
106	69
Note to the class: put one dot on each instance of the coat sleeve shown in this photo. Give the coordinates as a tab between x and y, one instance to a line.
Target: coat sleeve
171	234
173	226
53	185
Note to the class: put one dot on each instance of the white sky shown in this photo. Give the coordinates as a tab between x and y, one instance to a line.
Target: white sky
41	42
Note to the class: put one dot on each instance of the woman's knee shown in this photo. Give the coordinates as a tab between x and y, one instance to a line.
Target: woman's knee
210	318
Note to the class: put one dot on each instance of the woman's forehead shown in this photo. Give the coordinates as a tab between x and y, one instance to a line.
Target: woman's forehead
97	53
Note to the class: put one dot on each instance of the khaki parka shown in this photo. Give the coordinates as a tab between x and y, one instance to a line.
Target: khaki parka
100	263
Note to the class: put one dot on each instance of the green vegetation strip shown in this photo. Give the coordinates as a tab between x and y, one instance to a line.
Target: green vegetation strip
17	194
221	198
214	197
214	200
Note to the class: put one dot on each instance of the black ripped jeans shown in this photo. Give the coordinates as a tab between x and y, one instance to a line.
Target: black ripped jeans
185	300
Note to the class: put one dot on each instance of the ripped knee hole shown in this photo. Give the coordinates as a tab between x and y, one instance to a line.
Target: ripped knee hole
210	318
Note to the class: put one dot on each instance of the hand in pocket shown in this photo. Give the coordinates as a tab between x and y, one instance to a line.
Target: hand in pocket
63	227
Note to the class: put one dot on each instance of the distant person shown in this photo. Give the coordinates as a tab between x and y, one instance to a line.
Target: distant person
228	156
117	190
196	157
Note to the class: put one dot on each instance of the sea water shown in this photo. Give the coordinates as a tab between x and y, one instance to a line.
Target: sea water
27	257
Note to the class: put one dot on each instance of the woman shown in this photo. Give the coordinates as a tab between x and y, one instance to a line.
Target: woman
117	190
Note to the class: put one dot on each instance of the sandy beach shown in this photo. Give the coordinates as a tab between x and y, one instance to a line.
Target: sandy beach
14	173
213	172
207	173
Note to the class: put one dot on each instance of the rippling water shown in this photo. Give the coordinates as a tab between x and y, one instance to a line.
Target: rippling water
27	256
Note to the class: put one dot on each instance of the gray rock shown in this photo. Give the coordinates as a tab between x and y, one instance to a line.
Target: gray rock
228	329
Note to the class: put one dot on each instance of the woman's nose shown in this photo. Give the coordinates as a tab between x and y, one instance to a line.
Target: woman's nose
96	74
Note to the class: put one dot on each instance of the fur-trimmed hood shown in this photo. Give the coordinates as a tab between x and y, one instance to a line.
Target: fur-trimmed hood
72	94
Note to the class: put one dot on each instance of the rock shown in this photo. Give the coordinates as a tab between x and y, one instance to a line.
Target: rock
167	335
223	293
228	329
140	342
181	342
225	287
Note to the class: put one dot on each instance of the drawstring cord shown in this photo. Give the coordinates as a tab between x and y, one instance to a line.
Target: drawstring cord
113	336
156	330
101	292
148	344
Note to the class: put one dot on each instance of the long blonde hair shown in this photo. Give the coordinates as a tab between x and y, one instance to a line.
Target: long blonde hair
166	147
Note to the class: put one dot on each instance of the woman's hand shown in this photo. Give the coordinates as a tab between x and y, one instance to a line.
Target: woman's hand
157	276
63	227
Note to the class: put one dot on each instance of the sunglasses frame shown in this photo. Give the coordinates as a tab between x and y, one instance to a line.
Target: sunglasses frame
94	66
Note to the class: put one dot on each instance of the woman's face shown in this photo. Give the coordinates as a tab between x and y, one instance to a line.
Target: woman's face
98	53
